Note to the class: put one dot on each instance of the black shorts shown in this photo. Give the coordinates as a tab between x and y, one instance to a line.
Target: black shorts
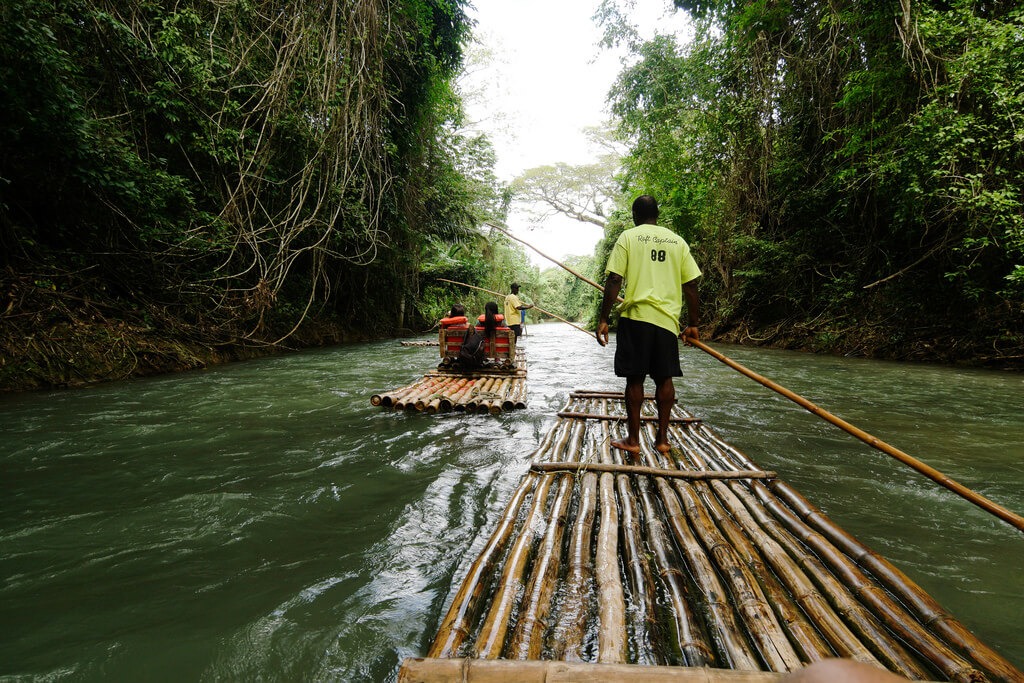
518	329
645	349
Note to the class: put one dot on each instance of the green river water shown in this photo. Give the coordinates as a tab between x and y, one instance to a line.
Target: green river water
262	521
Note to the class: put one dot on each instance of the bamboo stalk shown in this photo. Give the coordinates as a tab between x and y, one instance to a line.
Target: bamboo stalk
762	626
638	578
841	640
651	471
455	626
856	616
527	638
895	617
725	630
801	633
569	632
491	640
605	416
938	477
416	670
927	610
611	602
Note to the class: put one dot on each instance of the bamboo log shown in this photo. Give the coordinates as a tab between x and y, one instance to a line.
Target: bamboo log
527	638
604	416
569	632
651	471
638	574
611	633
725	630
830	625
415	670
762	626
688	637
611	602
802	634
927	610
871	604
491	639
455	626
857	617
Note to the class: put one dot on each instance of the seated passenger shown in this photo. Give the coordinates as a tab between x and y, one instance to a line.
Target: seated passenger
456	318
491	320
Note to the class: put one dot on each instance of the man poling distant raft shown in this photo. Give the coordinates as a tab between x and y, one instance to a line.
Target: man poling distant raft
981	501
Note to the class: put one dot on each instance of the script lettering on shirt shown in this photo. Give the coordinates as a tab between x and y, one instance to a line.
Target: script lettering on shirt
644	239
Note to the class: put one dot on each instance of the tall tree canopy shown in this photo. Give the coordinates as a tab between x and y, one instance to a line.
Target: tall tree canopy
856	163
238	163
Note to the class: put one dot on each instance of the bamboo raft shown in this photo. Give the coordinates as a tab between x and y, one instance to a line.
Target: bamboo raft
447	389
692	565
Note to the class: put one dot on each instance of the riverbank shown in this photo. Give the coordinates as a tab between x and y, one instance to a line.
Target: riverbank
58	337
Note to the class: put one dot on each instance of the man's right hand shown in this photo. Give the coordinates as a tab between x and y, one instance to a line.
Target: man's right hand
602	332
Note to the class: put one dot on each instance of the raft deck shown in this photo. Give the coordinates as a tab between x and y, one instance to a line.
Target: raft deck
450	389
696	565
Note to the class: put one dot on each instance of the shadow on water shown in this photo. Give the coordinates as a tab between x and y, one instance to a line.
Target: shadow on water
262	520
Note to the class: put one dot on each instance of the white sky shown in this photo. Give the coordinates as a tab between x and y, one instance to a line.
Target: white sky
545	81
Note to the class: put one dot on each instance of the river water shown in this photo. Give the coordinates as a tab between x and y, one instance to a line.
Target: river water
263	521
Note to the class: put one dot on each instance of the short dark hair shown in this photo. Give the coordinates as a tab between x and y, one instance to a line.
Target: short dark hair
514	285
645	208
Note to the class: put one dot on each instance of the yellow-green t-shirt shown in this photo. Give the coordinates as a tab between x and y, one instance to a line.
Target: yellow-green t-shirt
512	304
655	263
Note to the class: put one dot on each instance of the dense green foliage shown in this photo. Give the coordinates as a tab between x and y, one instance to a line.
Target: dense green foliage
231	169
849	172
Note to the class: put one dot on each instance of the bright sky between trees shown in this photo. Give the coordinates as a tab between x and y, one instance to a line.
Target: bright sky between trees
541	82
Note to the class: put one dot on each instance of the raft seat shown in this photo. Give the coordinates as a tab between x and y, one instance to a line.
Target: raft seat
503	348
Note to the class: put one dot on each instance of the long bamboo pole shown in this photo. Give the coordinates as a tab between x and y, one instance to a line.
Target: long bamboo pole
981	501
539	309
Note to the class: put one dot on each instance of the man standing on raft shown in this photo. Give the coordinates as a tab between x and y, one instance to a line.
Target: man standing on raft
659	271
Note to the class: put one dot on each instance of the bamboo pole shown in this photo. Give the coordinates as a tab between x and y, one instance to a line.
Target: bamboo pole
689	639
527	638
861	620
884	608
491	640
910	595
539	309
604	416
642	611
938	477
557	263
827	622
611	602
416	670
650	471
762	625
924	606
568	634
725	630
455	626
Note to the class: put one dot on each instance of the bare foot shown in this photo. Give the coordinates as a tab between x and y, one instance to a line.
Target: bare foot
633	448
663	446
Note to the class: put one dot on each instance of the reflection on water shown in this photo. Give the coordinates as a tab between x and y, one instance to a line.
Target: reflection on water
263	520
